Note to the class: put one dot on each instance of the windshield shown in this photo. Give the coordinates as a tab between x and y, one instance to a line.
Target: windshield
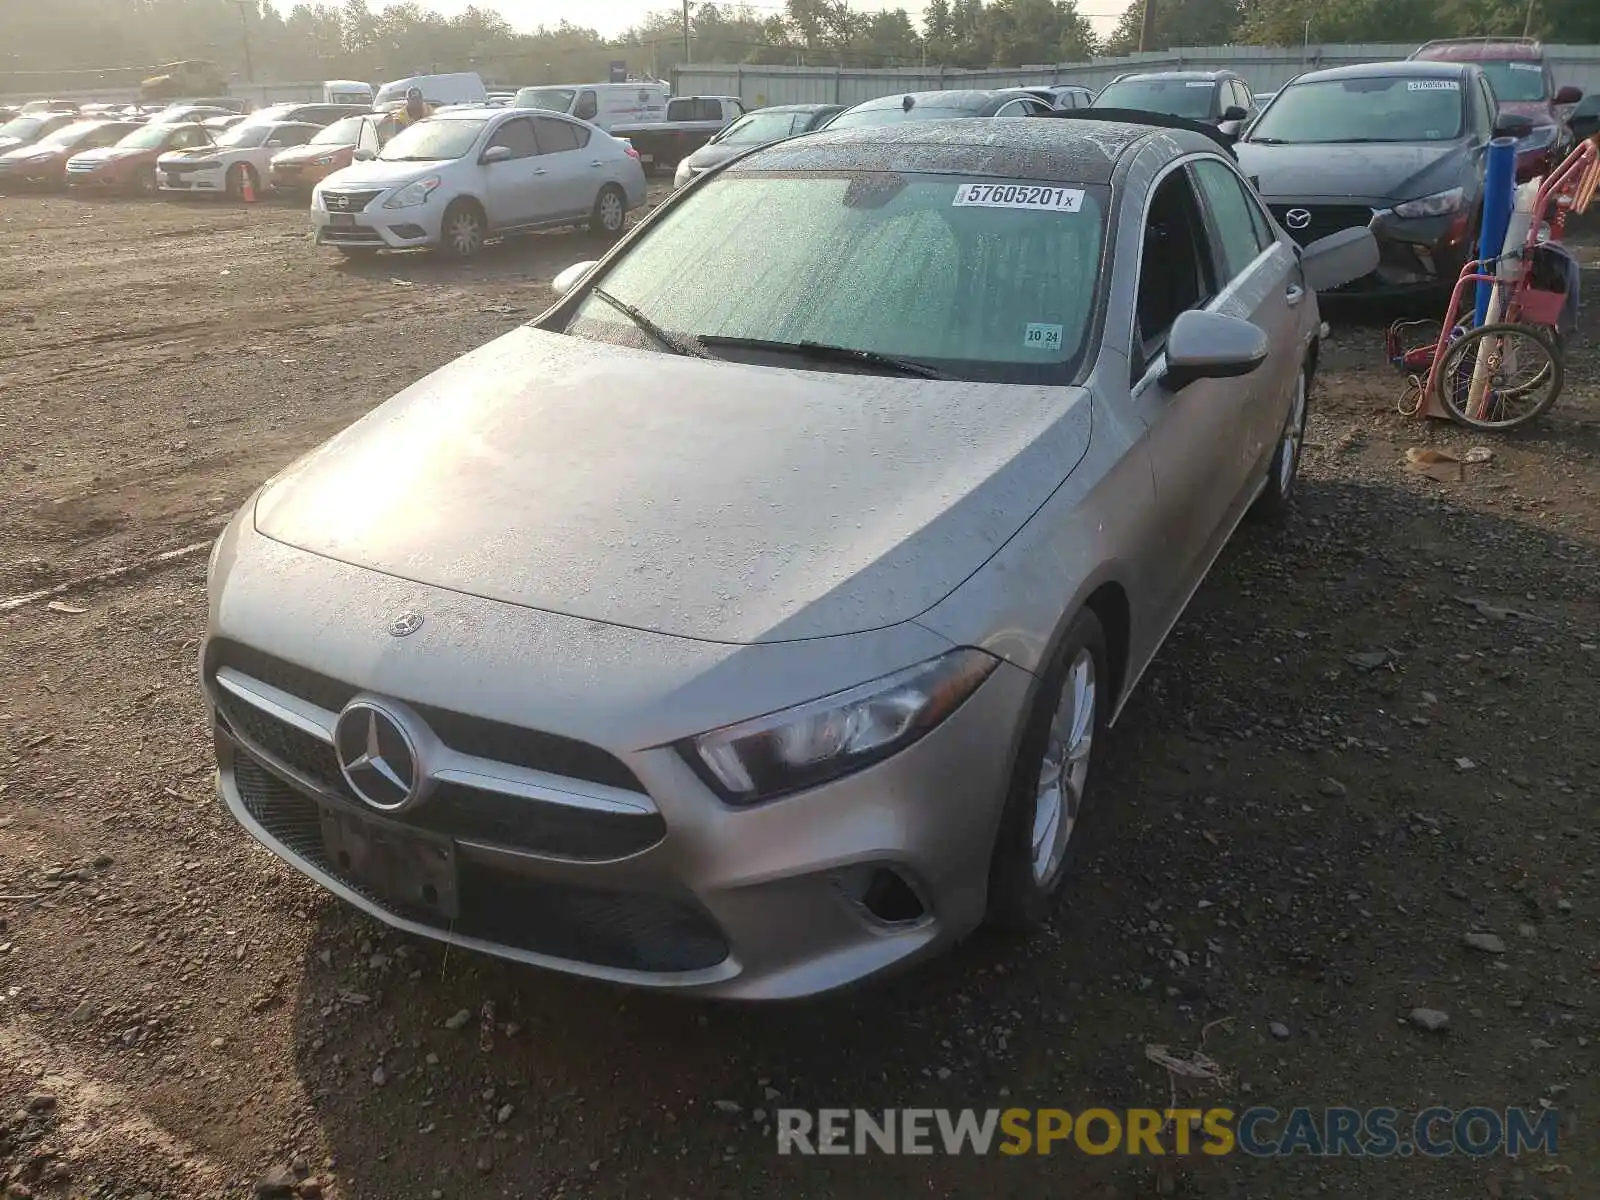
432	141
147	138
69	135
554	99
244	136
1191	98
1388	109
1518	82
983	279
344	132
757	129
22	127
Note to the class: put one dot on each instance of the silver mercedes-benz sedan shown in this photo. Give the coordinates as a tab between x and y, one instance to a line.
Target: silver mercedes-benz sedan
749	621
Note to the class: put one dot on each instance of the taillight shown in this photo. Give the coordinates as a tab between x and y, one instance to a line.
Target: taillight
632	153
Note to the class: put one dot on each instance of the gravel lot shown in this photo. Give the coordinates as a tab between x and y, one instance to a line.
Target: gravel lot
1335	771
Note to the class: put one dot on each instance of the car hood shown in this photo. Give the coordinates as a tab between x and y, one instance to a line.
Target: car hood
107	154
1374	172
12	143
193	153
708	500
378	175
10	151
709	156
300	154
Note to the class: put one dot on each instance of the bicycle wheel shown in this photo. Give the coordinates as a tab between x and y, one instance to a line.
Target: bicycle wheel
1521	376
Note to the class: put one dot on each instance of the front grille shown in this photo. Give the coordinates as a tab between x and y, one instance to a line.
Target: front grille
481	738
466	813
1325	219
621	930
183	168
348	202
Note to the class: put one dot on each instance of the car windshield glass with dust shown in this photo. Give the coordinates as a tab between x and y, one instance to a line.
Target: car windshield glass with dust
344	132
245	137
1191	98
71	135
555	99
1519	82
758	128
978	278
22	127
147	138
432	141
1385	108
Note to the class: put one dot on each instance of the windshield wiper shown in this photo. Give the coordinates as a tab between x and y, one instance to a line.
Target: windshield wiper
654	331
820	351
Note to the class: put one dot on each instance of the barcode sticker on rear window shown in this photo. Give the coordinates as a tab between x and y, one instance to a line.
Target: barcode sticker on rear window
1198	83
1433	85
1019	195
1523	66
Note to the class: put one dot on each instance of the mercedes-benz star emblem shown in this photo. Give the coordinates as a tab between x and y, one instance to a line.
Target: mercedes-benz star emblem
406	624
378	757
1297	218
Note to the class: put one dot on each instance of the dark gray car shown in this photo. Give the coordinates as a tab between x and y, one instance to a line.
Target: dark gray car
765	125
941	106
1218	98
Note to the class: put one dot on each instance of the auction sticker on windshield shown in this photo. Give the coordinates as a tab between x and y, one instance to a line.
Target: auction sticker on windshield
1019	195
1433	85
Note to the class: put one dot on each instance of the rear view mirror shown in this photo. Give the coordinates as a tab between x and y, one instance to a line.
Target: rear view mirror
1568	95
1511	125
568	279
497	154
1208	345
1338	258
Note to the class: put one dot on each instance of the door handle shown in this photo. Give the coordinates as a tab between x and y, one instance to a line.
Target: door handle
538	170
597	163
1293	294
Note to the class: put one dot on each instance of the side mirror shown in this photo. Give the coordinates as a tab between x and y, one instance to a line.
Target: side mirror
363	155
1208	345
1568	95
496	154
1338	258
568	279
1234	113
1230	128
1511	125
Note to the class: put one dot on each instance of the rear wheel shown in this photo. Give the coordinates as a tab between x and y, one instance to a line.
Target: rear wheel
1050	781
610	215
463	230
144	181
234	184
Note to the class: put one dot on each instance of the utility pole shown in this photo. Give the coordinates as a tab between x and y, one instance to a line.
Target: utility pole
688	51
1147	26
244	20
1527	24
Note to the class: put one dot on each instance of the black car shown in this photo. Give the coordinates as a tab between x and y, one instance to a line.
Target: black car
1585	117
941	106
756	128
1395	146
1218	98
1063	95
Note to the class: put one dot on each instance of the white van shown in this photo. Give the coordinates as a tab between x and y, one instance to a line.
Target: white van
347	91
462	87
602	104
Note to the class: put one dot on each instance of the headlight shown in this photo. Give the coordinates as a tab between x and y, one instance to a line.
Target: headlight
325	161
1541	137
413	194
813	743
1437	205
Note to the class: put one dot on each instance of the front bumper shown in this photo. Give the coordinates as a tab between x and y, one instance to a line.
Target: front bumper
377	227
1414	254
30	175
99	179
682	891
206	180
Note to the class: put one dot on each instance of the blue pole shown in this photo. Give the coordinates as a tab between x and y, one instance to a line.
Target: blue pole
1499	190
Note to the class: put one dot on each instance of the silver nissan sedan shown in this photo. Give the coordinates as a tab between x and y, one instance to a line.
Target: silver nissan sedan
749	622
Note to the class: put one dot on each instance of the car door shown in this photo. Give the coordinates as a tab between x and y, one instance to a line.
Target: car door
1197	434
1262	284
514	187
571	174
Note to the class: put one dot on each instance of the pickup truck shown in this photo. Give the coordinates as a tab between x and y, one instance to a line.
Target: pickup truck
690	122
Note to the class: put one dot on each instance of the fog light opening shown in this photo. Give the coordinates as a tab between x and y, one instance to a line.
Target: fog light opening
885	895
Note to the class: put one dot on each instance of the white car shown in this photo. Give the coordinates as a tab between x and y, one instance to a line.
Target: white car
464	176
238	157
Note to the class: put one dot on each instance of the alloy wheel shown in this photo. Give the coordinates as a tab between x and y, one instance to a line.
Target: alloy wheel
1293	435
1058	795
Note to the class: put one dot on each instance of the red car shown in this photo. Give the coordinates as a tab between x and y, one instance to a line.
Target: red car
130	164
1523	87
45	162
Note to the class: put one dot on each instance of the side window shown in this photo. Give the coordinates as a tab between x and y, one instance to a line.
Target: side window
588	107
293	135
1016	108
1241	96
516	136
555	136
1230	207
1175	271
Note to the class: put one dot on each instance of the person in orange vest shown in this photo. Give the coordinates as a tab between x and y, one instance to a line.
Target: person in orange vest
417	109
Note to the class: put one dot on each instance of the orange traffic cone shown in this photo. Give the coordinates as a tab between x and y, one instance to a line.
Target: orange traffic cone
247	191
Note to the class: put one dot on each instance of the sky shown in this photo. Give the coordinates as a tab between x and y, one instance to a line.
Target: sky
611	17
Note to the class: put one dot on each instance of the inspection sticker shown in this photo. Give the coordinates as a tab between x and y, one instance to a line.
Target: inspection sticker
1019	195
1198	83
1042	337
1519	66
1433	85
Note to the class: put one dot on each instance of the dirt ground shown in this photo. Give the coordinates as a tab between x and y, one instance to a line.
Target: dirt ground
1337	768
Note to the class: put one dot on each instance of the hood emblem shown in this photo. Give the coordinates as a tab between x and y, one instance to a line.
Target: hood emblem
1297	218
406	624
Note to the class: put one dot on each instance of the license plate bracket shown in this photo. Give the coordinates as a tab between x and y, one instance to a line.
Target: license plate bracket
399	864
342	220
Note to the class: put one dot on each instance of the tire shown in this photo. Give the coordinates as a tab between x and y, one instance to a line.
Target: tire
463	230
1530	399
144	181
234	185
1025	879
1275	501
610	215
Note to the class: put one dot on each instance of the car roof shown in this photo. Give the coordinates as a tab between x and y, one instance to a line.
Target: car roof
1058	150
1213	76
1403	69
1479	49
952	98
790	108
